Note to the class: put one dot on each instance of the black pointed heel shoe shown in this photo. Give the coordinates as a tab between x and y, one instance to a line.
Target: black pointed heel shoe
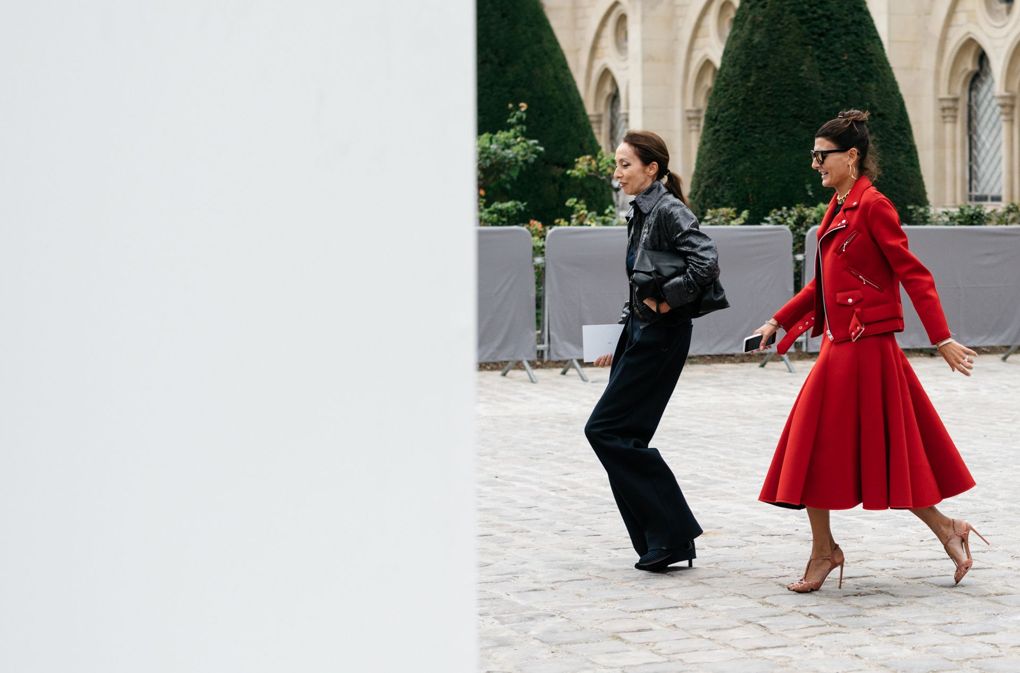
657	560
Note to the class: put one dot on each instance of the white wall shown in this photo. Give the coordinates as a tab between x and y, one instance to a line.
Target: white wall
235	428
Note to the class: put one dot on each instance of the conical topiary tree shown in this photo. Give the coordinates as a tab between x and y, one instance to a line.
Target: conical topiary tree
788	67
519	60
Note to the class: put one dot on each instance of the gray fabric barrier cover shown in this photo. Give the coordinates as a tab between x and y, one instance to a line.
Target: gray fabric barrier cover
977	274
506	295
756	268
586	283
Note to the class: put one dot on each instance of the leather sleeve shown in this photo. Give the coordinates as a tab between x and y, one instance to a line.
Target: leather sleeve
624	313
797	308
702	258
887	231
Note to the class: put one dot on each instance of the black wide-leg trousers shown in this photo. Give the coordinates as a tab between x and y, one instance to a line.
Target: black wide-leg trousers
646	366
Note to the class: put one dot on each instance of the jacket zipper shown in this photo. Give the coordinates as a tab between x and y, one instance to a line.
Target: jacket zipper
864	280
818	263
849	239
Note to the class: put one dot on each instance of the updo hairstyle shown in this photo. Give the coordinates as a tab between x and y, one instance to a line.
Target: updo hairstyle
850	129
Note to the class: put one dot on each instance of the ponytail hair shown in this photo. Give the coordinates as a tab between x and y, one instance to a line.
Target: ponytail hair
650	147
675	186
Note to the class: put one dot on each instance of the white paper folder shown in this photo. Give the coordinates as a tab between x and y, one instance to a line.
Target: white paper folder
599	340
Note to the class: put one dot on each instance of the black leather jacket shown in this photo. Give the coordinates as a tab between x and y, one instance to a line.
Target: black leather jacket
669	226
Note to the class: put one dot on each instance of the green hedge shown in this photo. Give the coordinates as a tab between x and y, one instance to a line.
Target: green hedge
519	60
967	215
788	67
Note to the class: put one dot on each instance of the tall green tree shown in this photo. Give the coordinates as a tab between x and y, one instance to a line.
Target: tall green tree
788	67
519	60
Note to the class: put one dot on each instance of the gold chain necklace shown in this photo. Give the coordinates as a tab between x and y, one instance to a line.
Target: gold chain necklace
841	199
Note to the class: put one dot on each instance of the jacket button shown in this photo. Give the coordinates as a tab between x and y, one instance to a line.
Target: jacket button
849	301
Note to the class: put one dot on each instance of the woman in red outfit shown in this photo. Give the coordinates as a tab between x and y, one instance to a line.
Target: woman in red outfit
862	429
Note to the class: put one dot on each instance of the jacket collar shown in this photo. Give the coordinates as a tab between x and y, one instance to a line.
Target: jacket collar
647	199
852	202
853	199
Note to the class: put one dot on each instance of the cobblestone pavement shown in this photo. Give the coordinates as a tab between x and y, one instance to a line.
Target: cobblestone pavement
558	592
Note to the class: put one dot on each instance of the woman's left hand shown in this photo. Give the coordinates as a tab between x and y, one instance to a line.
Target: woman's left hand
660	307
958	357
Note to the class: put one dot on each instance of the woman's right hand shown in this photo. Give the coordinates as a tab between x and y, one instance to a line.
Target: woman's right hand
766	331
604	360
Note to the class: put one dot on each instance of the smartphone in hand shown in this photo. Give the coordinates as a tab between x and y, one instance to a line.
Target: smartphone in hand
753	342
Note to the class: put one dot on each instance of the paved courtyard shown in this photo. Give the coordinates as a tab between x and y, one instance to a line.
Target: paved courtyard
558	592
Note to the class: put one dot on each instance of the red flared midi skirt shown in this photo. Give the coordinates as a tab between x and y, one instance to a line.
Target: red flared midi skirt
864	431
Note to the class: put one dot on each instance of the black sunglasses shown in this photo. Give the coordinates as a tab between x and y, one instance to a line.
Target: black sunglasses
819	155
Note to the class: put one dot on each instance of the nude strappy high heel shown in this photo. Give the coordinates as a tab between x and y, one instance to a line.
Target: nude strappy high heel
962	567
835	559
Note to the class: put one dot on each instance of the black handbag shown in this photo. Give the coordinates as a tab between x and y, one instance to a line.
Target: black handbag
712	298
653	268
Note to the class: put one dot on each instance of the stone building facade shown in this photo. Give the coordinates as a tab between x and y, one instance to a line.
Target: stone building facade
651	64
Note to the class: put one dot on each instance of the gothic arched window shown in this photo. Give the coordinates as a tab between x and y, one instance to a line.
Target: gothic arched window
617	128
617	120
984	135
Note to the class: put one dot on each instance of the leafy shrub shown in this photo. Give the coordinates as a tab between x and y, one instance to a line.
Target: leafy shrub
919	215
519	58
725	216
580	216
967	215
1008	214
590	168
538	233
499	214
502	155
601	166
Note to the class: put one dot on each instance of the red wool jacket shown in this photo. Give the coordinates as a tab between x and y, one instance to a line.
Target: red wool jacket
861	260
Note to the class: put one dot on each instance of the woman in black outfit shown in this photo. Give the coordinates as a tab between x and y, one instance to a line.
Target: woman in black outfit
670	263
